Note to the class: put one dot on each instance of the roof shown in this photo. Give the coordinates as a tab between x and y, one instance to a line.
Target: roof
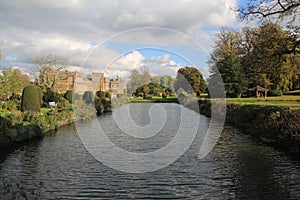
258	88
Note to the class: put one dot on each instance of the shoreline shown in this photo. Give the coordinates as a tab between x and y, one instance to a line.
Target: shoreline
276	126
29	132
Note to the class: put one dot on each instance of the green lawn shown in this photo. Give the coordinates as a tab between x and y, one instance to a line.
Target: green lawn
155	99
291	101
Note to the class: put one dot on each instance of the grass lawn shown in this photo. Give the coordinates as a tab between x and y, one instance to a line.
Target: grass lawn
291	101
155	99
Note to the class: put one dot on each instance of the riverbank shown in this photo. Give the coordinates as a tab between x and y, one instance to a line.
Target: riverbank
20	126
275	125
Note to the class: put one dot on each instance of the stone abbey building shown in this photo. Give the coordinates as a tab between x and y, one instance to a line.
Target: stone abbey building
67	80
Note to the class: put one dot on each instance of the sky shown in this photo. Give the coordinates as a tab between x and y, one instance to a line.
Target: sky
114	36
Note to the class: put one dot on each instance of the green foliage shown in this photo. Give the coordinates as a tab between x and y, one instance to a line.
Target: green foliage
264	56
225	62
31	98
191	80
102	105
88	97
138	79
51	96
101	94
12	81
69	95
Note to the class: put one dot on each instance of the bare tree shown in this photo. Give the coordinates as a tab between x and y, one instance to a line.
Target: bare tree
264	9
48	68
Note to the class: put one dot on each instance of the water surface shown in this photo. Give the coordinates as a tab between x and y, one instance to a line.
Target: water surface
59	167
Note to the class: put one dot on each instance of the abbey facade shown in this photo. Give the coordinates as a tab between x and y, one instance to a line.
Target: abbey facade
67	80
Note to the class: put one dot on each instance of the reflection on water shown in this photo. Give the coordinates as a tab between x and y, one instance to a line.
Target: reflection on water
59	167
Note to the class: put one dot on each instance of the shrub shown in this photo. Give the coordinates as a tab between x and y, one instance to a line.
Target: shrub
101	94
108	95
102	105
119	96
31	98
88	97
69	95
51	96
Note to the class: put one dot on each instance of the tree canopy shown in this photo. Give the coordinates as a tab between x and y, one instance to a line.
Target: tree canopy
256	56
12	81
190	80
264	9
48	67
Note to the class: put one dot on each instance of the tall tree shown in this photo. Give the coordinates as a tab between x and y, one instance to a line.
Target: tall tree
225	62
138	78
189	79
265	63
12	81
264	9
48	68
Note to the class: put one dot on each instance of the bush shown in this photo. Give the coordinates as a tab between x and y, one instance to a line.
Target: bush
51	96
69	95
102	105
119	96
108	95
31	98
88	97
101	94
276	93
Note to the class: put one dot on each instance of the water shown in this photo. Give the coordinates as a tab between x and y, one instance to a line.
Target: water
59	167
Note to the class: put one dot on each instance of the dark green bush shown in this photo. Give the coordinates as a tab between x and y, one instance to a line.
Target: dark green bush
102	105
108	95
119	96
88	97
31	98
51	96
69	95
101	94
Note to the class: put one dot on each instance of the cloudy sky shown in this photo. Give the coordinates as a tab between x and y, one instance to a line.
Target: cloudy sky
113	36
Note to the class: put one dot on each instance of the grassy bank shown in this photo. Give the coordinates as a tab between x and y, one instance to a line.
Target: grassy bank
288	101
272	120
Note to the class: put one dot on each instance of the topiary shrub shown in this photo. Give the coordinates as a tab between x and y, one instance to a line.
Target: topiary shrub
88	97
69	95
31	98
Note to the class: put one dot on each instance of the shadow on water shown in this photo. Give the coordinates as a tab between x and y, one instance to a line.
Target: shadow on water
59	167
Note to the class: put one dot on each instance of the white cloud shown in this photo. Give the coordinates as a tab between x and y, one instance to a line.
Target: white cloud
67	28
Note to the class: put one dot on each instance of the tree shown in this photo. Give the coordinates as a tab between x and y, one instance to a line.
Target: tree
225	60
189	79
264	62
12	82
166	81
138	79
48	67
31	98
264	9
